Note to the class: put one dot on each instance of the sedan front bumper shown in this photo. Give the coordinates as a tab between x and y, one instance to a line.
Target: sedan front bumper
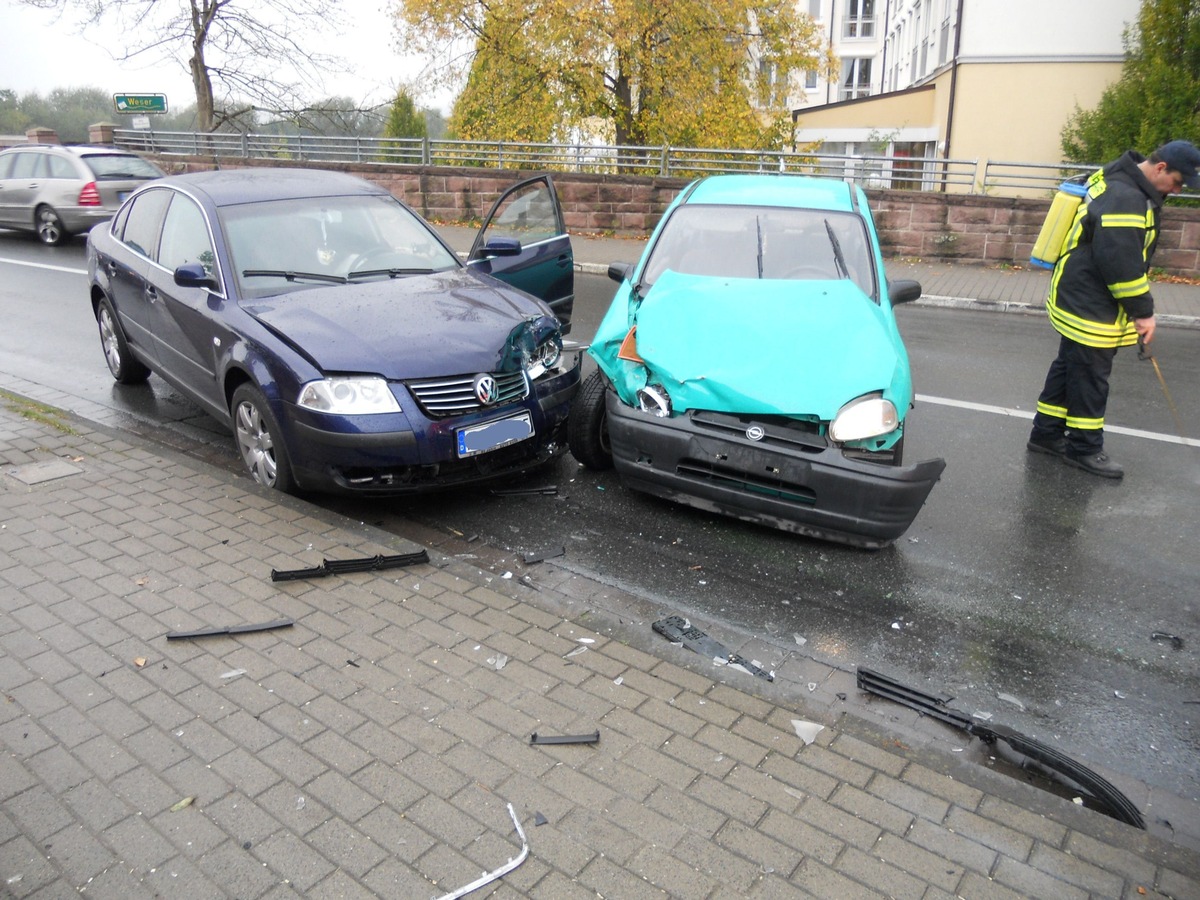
788	479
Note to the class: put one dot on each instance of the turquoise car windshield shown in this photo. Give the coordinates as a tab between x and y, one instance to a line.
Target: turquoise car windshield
772	243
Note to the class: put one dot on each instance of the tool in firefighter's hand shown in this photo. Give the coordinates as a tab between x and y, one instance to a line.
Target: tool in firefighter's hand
1144	353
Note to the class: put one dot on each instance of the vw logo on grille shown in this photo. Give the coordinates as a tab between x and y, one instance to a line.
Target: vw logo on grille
756	432
486	389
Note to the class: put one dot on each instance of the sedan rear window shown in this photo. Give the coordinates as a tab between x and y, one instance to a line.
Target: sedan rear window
763	242
120	165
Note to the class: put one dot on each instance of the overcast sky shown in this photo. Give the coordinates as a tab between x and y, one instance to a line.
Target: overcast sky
39	53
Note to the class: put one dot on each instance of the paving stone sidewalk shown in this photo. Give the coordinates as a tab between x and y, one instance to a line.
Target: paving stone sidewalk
371	748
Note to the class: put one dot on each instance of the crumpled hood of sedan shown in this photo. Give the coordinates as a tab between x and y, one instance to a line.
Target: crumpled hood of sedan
757	346
416	326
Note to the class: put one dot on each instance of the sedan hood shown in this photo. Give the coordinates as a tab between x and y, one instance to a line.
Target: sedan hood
757	346
417	326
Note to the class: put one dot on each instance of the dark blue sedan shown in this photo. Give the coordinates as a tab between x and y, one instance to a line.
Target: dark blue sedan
342	341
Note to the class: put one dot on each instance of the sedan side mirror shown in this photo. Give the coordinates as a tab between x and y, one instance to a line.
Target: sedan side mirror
194	275
501	246
904	291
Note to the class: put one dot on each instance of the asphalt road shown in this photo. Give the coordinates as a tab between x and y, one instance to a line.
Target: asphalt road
1026	589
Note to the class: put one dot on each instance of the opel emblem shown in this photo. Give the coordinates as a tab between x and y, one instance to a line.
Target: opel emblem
486	389
756	432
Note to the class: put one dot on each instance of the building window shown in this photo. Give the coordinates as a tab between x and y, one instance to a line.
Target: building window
860	19
856	78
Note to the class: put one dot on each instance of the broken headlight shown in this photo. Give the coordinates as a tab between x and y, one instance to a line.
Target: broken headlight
349	396
866	417
544	357
654	399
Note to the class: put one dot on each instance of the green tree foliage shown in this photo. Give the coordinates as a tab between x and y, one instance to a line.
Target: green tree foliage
695	72
12	119
404	119
70	113
1157	97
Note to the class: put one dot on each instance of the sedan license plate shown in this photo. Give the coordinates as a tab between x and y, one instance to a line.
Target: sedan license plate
492	435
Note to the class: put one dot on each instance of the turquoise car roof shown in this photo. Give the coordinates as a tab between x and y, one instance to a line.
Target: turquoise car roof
800	191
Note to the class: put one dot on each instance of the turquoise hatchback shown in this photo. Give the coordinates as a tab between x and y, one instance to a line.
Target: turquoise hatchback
750	364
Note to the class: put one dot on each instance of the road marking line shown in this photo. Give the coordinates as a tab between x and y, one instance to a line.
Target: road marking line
32	265
1023	414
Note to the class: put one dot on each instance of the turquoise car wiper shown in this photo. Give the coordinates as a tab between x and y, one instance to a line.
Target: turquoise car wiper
838	258
293	276
391	273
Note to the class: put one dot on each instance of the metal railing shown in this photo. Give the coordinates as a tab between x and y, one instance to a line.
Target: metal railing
878	172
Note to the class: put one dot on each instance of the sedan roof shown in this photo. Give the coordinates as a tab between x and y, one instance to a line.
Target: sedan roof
798	191
229	187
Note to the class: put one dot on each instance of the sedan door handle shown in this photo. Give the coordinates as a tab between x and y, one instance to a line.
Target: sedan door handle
564	260
151	294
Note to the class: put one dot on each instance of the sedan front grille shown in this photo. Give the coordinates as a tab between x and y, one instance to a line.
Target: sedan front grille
455	396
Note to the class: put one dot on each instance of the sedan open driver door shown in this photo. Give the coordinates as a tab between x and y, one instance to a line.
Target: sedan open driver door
524	242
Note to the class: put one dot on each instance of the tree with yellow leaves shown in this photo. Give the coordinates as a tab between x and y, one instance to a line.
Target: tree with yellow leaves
644	72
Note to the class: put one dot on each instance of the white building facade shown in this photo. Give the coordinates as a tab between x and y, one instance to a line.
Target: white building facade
960	79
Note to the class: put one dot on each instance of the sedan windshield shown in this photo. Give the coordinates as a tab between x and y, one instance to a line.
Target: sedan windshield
285	245
763	242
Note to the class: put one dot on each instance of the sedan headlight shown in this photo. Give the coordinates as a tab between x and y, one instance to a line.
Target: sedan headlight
865	417
544	358
357	396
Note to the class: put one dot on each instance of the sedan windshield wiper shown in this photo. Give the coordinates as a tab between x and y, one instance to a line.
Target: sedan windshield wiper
293	276
391	273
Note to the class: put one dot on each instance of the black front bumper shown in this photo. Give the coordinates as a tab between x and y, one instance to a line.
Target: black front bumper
788	479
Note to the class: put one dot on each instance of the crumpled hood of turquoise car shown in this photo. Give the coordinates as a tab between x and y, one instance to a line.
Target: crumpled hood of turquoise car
757	346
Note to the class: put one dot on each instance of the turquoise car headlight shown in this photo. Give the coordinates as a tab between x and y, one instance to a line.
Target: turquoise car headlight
654	399
349	396
866	417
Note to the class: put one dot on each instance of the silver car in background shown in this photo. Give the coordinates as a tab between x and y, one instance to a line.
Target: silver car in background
57	191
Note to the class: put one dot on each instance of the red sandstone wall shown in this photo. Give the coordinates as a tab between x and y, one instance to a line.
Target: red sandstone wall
966	228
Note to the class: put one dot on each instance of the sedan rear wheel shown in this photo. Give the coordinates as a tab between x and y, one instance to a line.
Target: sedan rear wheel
259	440
50	229
587	424
125	368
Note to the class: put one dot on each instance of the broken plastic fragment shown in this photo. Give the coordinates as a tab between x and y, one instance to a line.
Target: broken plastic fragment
498	662
576	652
365	564
539	819
1176	640
807	731
489	877
1118	695
593	738
233	629
678	630
1009	698
800	640
182	804
537	556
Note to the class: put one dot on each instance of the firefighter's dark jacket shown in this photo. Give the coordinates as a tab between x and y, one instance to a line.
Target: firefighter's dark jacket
1100	283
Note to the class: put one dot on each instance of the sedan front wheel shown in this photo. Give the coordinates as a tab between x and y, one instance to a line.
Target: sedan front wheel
260	440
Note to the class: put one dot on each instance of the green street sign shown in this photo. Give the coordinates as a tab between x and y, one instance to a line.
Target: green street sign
140	103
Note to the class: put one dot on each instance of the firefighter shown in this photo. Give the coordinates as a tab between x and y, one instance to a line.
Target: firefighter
1100	298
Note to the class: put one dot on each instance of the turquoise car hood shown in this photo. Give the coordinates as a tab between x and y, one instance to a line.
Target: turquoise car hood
756	346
